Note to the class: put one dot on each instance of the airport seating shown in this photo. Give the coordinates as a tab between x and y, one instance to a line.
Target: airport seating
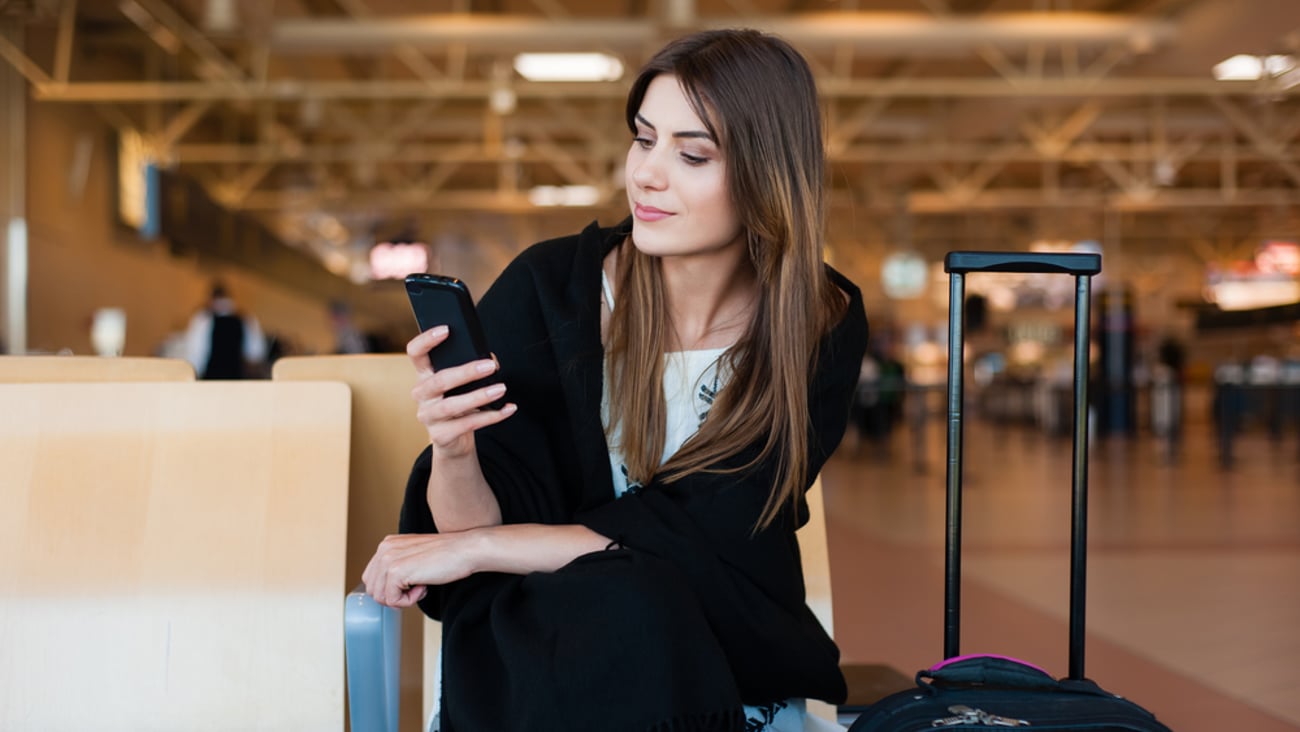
385	441
171	554
46	369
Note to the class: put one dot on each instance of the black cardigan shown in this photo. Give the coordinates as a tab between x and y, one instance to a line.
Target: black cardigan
688	551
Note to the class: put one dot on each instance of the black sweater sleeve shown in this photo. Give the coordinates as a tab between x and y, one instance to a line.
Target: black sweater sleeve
526	458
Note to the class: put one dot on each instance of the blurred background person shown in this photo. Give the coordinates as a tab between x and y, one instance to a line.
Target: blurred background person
348	338
223	343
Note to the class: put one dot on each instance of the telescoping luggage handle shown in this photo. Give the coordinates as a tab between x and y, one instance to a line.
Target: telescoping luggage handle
1027	262
1082	266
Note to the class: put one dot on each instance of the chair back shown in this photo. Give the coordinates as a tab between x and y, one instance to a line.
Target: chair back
48	369
386	437
817	578
170	555
816	559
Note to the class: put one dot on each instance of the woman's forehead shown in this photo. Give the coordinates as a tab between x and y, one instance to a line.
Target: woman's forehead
668	103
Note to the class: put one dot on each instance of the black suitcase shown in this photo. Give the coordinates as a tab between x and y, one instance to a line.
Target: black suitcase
983	692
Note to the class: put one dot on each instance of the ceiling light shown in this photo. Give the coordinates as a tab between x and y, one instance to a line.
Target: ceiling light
568	67
219	16
1244	67
502	101
1277	64
564	196
1239	68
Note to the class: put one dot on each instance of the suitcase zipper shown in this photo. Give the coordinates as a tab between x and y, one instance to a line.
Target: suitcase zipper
967	715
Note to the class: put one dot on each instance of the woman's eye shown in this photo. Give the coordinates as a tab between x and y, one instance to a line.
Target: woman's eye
694	159
645	142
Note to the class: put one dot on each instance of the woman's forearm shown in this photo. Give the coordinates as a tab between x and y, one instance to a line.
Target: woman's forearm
524	548
404	565
459	496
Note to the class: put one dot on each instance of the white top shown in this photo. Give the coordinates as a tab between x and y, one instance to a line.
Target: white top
692	380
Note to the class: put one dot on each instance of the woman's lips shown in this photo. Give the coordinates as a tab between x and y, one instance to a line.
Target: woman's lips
649	213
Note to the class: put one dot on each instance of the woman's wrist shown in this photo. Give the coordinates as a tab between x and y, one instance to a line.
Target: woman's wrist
459	497
478	549
524	548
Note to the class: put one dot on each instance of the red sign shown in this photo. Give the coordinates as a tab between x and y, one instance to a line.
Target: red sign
396	261
1279	257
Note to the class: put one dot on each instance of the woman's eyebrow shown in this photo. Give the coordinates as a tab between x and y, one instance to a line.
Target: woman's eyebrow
700	134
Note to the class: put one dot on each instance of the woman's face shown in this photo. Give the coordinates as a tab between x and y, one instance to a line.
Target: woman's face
677	179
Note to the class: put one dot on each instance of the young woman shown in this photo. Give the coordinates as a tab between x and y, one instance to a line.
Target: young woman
615	548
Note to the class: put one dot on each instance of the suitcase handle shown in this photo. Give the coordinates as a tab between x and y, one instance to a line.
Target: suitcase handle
1083	267
1004	673
990	671
1027	262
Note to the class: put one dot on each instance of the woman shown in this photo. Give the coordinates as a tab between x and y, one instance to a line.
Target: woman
614	549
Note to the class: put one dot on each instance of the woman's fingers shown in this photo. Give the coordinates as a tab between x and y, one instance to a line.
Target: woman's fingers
383	576
411	596
418	348
434	384
403	565
442	407
450	418
445	433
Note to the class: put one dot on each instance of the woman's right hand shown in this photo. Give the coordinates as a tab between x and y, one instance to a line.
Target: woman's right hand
452	420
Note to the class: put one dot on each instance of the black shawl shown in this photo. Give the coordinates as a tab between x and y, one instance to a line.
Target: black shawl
692	613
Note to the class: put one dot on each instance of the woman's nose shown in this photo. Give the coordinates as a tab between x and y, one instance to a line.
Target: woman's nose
648	173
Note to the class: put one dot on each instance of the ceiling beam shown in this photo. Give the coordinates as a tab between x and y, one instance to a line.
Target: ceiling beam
398	149
868	32
63	45
415	199
933	202
291	90
918	203
215	64
1257	136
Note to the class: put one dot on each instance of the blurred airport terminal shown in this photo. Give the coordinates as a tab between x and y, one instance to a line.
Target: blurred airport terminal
272	169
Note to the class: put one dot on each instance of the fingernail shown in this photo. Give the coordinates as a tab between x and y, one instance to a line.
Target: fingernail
509	409
485	367
439	330
496	390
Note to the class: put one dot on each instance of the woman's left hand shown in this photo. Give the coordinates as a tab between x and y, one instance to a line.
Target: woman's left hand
404	565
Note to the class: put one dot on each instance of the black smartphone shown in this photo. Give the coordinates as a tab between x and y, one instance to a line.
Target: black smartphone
438	300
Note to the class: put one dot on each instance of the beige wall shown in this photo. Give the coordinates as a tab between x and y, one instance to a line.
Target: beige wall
80	259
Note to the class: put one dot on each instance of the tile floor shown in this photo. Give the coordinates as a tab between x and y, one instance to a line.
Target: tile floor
1194	570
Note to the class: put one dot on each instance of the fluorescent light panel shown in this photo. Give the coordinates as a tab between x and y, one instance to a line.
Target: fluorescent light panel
564	196
1244	67
568	67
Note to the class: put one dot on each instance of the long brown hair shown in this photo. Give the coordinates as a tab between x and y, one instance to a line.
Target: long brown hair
756	96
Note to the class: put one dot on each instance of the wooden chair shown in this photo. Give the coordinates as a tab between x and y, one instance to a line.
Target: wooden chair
385	440
45	369
815	554
170	556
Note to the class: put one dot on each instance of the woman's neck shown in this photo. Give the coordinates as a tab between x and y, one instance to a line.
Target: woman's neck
711	301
